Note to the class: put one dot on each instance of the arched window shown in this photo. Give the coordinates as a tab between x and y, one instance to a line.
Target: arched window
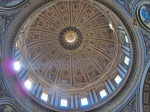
64	103
103	93
28	84
44	96
118	79
84	101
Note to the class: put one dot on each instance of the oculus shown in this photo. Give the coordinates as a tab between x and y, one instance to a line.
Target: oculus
70	38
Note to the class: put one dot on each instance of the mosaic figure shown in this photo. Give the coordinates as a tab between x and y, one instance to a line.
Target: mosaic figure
143	15
145	12
9	3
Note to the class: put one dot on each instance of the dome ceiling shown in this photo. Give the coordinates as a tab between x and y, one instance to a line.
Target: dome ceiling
71	45
71	51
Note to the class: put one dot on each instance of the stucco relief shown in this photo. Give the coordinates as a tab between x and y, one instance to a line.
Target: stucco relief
127	4
3	91
5	19
131	106
147	42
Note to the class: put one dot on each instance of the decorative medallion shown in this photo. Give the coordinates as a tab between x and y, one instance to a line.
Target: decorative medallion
143	15
7	108
10	3
70	38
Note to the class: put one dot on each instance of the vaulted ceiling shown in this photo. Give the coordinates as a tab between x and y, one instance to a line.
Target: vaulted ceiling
75	55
